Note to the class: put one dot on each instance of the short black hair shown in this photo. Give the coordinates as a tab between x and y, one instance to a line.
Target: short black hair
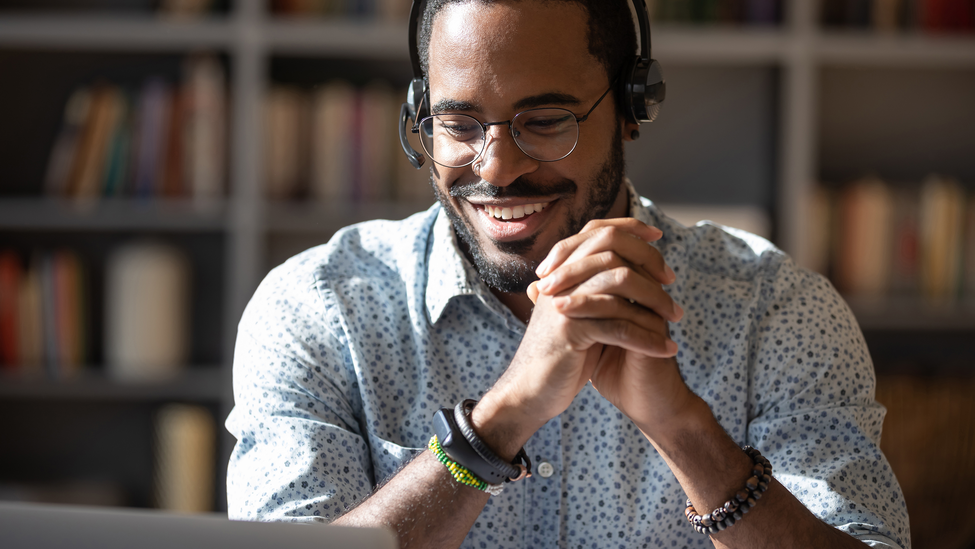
611	31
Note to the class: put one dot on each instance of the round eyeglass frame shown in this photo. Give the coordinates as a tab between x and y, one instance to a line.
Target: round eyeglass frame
510	123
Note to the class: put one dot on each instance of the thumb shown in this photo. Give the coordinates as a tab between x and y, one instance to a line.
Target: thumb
533	291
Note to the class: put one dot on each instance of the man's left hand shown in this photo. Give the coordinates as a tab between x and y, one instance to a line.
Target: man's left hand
583	276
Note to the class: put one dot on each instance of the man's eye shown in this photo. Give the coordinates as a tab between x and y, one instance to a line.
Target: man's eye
460	130
548	124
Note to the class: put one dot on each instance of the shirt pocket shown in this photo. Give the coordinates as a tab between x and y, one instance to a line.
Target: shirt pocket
388	457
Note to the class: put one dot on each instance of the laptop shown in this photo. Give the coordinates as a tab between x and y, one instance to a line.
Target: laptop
36	526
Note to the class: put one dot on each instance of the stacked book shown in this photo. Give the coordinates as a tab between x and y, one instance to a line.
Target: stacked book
338	143
912	15
899	240
162	140
733	12
43	313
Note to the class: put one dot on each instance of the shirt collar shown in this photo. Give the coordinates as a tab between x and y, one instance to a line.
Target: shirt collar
450	275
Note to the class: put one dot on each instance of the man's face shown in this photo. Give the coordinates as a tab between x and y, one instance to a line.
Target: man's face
491	62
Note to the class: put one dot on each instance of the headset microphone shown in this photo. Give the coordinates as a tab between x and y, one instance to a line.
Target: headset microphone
642	87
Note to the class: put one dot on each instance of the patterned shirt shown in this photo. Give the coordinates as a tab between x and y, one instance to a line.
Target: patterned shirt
346	351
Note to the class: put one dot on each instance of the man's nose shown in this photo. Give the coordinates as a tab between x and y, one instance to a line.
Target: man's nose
502	162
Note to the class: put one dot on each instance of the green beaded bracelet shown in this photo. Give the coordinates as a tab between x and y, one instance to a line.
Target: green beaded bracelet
460	473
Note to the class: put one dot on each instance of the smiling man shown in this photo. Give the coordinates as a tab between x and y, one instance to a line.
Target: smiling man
544	317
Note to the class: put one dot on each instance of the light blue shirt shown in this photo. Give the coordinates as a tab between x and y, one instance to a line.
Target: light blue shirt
346	351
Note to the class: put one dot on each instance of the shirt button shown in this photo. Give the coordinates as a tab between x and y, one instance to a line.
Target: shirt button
545	469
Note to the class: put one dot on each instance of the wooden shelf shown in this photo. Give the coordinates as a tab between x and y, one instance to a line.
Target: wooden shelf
126	33
42	214
198	384
355	38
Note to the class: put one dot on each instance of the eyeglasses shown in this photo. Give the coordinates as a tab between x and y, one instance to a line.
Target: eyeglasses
544	134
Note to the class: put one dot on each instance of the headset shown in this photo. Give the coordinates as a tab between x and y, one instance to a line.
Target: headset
641	87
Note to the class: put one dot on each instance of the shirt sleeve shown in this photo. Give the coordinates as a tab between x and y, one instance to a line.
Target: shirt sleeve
815	416
300	454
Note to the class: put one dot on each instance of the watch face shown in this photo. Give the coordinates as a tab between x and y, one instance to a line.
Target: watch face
442	426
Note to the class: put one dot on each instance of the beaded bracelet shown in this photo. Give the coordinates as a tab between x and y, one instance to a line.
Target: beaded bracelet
733	509
460	473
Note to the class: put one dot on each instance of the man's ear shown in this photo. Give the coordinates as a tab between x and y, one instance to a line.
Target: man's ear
631	131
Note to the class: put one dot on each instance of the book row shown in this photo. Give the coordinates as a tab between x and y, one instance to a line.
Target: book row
338	142
46	321
747	12
163	140
911	15
43	313
883	239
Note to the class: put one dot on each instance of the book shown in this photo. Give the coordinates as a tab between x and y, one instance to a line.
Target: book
147	311
85	180
331	166
31	321
10	281
65	147
941	216
864	226
119	149
185	458
283	113
153	109
204	135
376	115
170	178
904	241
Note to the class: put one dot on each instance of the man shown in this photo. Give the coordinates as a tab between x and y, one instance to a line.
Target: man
632	374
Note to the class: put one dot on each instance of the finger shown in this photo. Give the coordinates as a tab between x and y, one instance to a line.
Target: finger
561	251
533	291
613	239
576	272
628	335
627	284
603	306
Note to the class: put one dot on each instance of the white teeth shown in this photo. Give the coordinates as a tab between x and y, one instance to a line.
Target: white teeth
516	212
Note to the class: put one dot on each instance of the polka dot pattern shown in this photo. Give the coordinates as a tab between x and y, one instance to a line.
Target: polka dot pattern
347	349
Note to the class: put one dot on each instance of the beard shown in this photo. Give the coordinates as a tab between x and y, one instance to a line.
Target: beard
514	271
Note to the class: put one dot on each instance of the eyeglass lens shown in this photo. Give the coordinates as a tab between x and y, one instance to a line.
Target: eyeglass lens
456	140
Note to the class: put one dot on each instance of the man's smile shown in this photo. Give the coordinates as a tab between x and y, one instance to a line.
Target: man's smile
511	220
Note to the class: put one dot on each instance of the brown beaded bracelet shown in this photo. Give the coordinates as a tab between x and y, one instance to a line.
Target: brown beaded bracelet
733	509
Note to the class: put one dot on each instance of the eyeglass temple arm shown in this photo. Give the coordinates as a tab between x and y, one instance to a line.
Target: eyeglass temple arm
612	85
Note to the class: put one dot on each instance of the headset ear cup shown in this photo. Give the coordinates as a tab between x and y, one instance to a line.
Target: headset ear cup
655	90
627	91
643	91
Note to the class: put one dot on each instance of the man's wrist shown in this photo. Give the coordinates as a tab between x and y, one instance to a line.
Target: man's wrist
502	425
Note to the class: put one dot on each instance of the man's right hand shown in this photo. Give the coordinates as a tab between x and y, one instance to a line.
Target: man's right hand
611	265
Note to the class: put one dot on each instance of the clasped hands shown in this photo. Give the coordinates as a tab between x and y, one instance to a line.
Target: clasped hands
601	315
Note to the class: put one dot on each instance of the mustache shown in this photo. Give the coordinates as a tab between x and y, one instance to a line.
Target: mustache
519	188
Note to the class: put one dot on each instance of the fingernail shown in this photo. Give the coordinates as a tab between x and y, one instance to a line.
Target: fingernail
678	311
542	269
544	284
671	275
671	347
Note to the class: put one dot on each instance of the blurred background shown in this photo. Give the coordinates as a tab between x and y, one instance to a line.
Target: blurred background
161	156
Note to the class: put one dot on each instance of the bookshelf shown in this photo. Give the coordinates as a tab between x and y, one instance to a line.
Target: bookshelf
774	73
